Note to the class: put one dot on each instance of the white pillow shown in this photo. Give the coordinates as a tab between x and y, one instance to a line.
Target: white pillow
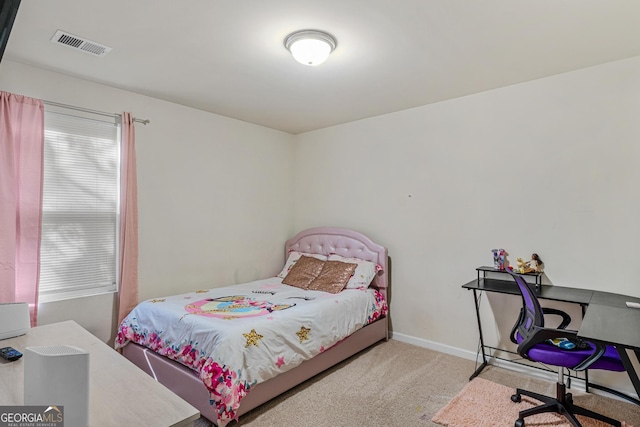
295	256
364	274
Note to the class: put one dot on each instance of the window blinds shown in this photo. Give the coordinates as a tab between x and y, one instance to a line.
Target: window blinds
80	208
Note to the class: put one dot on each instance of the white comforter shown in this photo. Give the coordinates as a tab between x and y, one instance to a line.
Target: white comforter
241	335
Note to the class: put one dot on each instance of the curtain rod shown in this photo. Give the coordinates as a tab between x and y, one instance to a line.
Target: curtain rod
86	110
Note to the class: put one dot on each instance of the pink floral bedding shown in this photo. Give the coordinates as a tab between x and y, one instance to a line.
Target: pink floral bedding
238	336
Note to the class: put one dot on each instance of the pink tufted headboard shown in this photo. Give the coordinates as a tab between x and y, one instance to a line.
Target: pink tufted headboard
343	242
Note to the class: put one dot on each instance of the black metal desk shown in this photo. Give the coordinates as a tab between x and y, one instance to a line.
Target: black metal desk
610	321
554	293
606	318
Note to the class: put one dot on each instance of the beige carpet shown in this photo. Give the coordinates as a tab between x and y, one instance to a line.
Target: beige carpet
483	403
394	384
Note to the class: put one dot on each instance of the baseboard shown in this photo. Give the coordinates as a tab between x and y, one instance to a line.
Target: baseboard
576	383
432	345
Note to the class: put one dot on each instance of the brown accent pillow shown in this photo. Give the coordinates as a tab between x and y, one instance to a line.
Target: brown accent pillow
303	272
333	277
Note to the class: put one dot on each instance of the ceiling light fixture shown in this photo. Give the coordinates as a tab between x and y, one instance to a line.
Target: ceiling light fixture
310	47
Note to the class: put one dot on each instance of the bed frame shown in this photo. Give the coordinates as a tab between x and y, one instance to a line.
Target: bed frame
323	240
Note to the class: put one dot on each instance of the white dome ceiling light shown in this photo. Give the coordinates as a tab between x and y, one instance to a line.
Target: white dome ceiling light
310	47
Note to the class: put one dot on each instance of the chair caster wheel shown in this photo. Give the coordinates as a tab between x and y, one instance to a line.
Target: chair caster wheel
519	423
516	398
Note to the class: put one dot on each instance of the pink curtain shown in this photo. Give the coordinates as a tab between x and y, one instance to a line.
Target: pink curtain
128	291
21	171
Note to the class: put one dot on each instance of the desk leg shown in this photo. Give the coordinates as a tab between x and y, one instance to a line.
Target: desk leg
484	355
633	375
583	308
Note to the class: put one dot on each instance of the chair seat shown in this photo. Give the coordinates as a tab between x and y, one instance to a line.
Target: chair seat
552	355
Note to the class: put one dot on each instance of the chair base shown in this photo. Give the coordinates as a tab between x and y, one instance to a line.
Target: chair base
561	404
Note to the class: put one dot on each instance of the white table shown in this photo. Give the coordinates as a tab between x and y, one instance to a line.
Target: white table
120	393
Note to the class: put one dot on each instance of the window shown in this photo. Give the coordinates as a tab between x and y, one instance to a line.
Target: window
80	207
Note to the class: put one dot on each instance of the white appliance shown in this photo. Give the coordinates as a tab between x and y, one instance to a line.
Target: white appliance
58	375
14	319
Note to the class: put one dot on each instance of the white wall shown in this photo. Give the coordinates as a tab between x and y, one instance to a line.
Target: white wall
215	194
549	166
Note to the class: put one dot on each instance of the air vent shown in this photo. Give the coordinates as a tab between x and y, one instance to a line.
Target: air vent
79	43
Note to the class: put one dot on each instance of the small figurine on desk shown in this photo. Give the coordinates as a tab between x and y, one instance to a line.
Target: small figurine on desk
500	261
521	266
535	265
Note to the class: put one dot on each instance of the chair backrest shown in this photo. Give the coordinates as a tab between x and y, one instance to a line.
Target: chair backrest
531	314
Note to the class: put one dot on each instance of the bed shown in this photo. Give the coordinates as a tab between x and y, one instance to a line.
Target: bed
229	374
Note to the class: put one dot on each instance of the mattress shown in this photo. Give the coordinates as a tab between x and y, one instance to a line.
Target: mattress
238	336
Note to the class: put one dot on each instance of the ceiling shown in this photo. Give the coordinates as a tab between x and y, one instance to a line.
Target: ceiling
227	56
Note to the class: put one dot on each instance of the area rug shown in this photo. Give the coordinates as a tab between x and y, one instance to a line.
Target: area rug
482	403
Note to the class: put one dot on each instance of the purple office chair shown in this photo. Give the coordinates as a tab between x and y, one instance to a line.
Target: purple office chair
533	342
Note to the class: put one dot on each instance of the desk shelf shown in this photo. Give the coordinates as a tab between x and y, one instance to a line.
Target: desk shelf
482	273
